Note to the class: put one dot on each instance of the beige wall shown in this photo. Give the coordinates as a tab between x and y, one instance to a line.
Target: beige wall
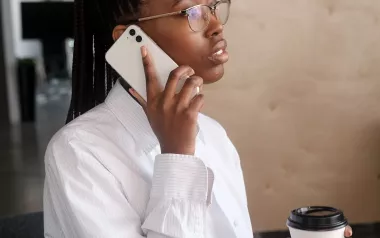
301	101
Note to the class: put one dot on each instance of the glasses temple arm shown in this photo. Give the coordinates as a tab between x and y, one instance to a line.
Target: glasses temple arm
161	15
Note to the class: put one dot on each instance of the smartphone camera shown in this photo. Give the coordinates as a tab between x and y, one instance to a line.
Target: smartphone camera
138	39
132	32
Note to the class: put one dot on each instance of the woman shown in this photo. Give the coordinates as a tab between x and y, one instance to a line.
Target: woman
130	168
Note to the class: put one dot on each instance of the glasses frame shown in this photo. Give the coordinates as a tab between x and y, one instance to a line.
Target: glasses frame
185	13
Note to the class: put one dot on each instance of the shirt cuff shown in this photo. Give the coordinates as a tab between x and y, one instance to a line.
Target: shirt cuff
180	195
182	177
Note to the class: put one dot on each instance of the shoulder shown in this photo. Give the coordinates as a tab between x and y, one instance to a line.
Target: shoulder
92	131
90	123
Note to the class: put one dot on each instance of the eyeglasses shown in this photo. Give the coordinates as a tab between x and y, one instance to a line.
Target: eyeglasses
198	16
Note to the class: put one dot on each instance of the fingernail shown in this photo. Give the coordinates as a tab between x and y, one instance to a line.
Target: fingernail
143	51
131	90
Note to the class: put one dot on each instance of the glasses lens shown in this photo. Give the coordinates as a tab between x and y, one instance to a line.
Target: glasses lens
199	17
223	12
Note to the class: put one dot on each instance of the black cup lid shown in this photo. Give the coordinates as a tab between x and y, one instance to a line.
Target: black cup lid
317	219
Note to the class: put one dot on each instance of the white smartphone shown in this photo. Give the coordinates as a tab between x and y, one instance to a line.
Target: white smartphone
125	57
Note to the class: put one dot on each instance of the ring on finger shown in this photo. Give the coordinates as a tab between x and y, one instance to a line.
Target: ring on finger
197	90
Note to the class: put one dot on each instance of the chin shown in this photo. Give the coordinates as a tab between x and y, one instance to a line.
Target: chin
213	75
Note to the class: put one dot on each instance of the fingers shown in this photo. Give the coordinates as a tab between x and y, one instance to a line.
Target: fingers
152	85
138	98
197	103
348	232
186	99
180	73
189	89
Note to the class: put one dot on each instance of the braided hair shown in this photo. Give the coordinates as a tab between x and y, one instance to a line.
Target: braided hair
92	77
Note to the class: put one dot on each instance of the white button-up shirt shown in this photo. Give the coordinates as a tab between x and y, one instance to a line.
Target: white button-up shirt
105	177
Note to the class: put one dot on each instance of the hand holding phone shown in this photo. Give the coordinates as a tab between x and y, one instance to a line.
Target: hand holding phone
173	117
168	93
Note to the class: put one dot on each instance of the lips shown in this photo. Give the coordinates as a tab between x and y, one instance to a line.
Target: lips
219	55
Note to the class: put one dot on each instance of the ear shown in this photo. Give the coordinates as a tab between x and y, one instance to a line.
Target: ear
118	31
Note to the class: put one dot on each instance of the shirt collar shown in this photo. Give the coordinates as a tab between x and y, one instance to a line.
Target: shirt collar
132	116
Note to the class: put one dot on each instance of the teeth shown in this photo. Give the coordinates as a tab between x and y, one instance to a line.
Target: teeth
219	52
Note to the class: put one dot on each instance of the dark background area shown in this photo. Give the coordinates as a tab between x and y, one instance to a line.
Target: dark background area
52	32
46	20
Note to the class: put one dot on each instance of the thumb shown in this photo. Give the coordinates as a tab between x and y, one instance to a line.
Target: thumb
348	232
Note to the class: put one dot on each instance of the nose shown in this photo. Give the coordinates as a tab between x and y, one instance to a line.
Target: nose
215	28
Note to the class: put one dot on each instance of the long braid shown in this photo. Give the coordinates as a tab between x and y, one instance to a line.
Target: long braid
93	78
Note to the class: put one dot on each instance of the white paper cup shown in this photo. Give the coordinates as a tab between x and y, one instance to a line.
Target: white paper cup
294	233
317	222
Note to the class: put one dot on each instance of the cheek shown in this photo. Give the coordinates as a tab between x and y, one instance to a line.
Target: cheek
190	51
183	45
184	49
189	54
187	48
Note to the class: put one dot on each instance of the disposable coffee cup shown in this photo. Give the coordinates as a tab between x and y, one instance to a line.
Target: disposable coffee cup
317	222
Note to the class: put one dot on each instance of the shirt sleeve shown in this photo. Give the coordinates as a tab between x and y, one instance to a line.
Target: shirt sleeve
88	201
180	195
